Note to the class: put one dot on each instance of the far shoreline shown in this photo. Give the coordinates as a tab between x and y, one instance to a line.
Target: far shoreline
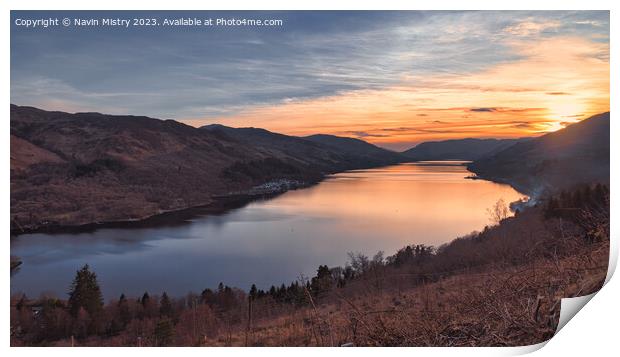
221	204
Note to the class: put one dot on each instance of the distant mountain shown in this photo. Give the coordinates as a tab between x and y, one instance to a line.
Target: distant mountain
458	149
357	151
286	147
579	153
73	169
325	152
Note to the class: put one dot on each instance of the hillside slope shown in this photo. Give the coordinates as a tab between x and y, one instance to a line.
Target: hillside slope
579	153
458	149
357	152
321	155
74	169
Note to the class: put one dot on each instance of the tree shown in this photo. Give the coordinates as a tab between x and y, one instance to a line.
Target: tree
165	306
53	322
85	293
164	332
323	280
208	297
359	263
253	292
124	313
146	299
498	212
377	260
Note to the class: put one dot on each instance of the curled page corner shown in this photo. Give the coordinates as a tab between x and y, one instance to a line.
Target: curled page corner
613	259
570	307
523	350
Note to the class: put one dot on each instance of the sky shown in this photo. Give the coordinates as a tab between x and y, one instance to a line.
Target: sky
392	78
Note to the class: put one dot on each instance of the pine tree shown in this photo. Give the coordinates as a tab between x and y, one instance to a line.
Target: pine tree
322	282
124	313
208	297
253	292
146	299
165	306
85	293
164	332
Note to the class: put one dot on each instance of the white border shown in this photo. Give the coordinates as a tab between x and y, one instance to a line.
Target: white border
593	331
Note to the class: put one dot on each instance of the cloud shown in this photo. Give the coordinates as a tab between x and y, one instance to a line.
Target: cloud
363	134
201	73
390	77
526	125
594	23
531	28
483	109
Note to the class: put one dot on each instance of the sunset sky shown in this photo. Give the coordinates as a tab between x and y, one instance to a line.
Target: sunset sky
391	78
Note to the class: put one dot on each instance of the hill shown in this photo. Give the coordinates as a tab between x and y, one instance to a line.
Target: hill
459	149
322	155
357	152
75	169
579	153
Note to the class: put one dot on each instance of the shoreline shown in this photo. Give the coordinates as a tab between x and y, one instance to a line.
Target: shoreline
221	204
521	188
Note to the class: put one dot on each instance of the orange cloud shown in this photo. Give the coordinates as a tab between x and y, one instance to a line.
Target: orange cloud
557	81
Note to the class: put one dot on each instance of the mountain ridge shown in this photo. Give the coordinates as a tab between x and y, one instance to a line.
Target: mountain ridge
83	168
576	154
458	149
75	169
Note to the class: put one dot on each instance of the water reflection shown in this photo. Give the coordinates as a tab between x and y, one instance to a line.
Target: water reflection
269	241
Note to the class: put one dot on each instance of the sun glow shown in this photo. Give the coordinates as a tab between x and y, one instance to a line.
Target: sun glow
564	112
555	82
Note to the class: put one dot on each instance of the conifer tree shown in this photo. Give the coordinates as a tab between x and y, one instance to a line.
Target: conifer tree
164	332
85	293
123	310
165	306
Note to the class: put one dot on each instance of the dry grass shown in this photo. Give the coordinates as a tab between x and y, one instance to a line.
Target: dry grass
513	306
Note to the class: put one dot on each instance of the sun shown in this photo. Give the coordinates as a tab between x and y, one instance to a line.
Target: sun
562	111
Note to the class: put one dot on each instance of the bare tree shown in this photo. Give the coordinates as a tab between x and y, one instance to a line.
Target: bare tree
498	212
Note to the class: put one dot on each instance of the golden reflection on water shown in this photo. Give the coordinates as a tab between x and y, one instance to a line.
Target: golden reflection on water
270	241
428	202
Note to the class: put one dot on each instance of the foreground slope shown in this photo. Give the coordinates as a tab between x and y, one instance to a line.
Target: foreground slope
579	153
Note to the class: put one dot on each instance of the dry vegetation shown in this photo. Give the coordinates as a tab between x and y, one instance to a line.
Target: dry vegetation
501	307
499	287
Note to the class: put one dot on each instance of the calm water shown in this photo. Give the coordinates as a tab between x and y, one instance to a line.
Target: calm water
270	241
